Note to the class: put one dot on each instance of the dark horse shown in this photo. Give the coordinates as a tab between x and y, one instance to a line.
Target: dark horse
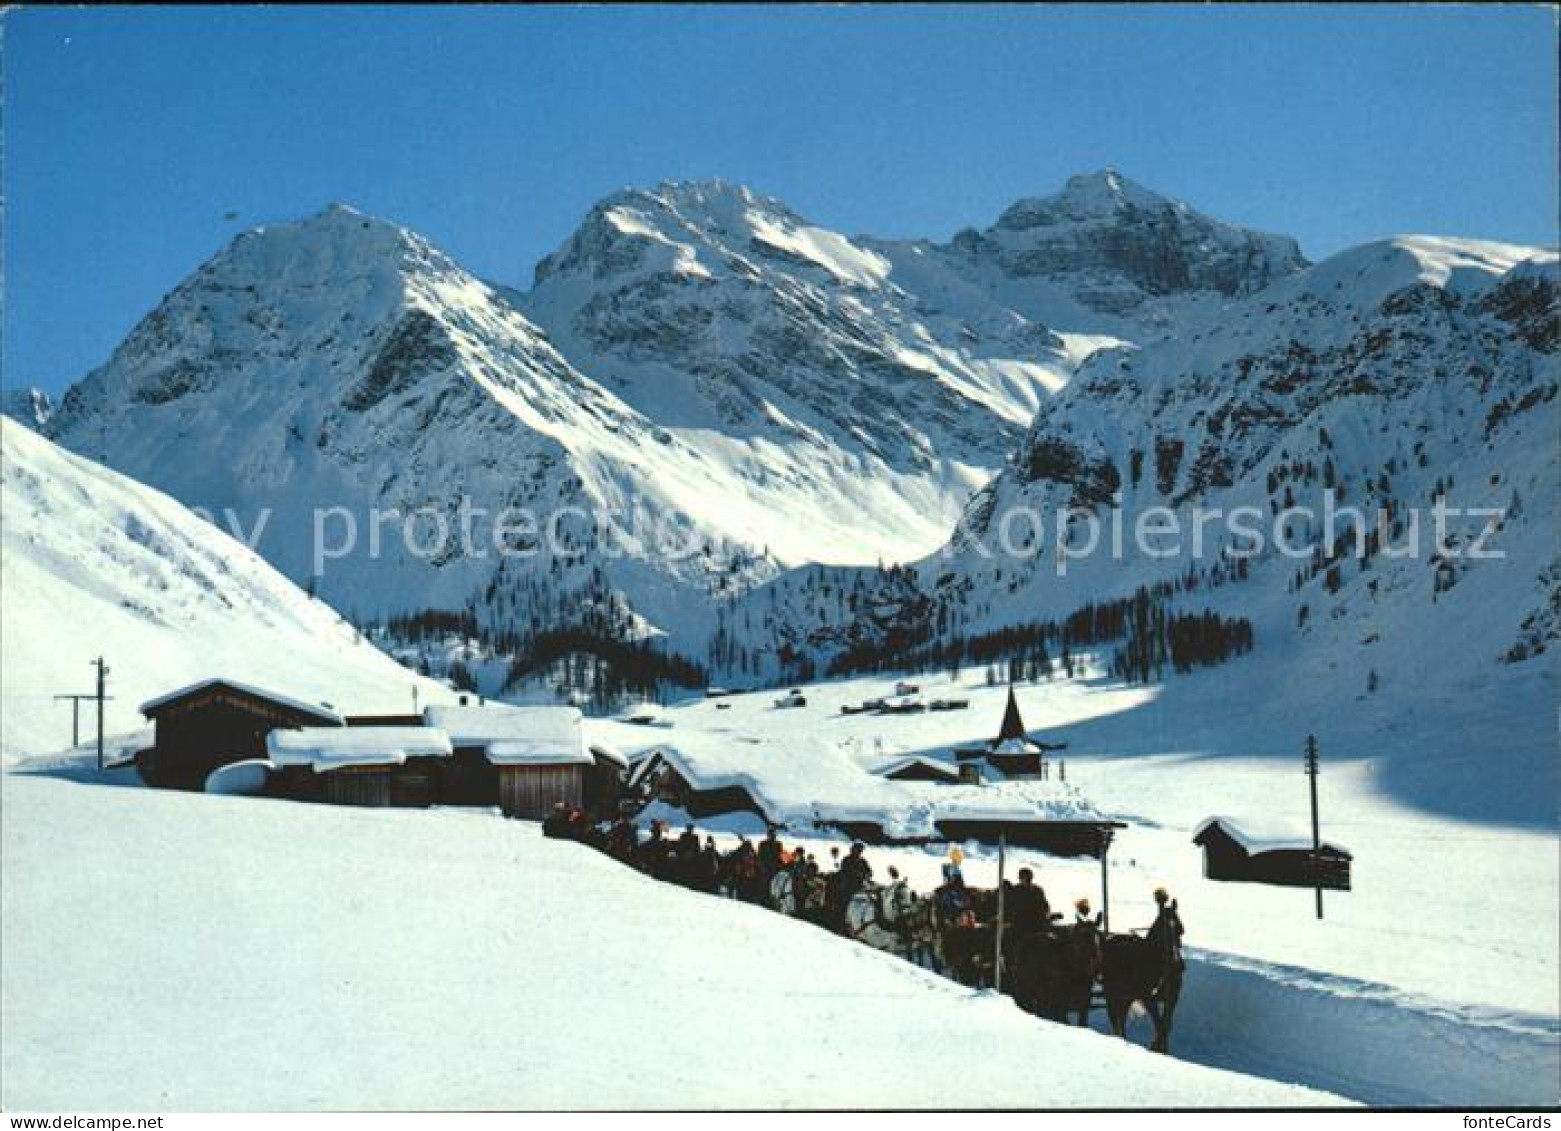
1052	973
1146	969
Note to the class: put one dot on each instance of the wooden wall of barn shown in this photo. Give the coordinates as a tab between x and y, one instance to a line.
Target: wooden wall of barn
357	786
532	791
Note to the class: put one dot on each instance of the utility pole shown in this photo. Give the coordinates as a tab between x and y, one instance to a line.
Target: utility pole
102	681
75	716
76	701
1317	869
1105	885
997	962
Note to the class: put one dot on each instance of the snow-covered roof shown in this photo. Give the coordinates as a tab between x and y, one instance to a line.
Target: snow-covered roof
947	769
645	713
318	710
537	754
1014	747
806	778
329	748
607	753
514	736
1266	834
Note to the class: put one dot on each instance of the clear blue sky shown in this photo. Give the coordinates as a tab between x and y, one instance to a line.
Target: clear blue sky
130	134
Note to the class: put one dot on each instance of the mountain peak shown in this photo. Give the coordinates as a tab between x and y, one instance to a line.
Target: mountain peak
711	204
1100	195
1109	191
1122	243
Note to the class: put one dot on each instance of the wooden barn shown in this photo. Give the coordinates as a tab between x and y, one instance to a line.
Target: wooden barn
376	766
215	722
1247	853
531	758
917	768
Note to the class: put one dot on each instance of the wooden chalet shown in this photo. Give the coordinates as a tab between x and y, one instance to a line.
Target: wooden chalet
212	723
1244	853
376	766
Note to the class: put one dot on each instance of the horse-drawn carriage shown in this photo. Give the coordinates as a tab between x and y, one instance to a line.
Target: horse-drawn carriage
1054	970
1060	971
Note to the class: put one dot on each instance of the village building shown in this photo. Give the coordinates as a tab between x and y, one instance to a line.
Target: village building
1269	853
380	766
1013	753
214	722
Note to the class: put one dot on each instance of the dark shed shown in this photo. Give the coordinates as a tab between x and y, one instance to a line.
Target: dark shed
1283	857
215	722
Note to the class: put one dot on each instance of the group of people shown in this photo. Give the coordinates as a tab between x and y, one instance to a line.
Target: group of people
1025	906
748	871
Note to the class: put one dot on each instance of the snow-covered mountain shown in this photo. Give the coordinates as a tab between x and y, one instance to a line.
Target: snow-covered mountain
775	393
1103	255
97	565
1393	375
709	306
761	406
341	367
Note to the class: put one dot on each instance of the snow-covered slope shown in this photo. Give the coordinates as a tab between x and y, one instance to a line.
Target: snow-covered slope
1391	375
315	957
97	565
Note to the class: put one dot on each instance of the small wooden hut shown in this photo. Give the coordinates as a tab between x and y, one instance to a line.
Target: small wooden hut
1263	854
215	722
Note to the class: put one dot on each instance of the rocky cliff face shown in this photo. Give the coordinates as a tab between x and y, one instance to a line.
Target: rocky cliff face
1120	244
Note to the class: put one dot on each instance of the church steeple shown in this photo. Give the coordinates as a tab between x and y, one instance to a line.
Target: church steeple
1013	725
